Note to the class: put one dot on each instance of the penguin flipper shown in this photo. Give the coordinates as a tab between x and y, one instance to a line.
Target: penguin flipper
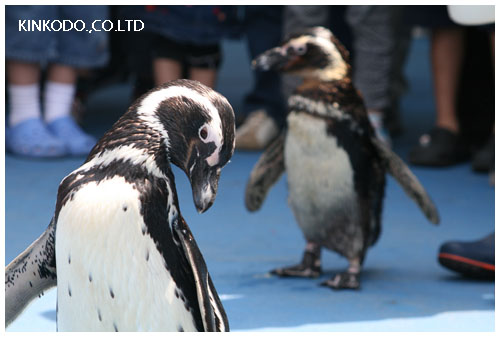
30	274
265	173
213	315
407	180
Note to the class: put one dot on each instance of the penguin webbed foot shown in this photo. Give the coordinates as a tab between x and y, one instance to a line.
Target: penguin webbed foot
345	280
299	270
310	266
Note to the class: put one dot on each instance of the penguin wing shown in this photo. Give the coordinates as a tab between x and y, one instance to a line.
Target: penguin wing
410	184
30	274
265	173
213	315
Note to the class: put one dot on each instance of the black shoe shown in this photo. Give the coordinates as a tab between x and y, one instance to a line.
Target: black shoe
484	158
473	259
440	147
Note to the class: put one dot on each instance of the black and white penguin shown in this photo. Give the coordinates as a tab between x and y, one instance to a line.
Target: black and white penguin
335	164
126	259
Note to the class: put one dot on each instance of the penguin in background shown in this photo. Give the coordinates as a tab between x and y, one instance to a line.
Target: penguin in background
118	249
335	164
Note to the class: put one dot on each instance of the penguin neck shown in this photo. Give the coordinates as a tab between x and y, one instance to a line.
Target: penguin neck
134	141
315	82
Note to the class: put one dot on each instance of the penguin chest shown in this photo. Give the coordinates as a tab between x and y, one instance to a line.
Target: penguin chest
110	275
320	179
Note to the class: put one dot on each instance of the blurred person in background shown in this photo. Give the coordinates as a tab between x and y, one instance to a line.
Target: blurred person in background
264	107
186	40
475	259
380	43
63	54
446	143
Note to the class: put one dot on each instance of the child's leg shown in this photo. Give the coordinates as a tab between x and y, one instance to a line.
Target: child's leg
26	134
59	92
58	104
167	59
204	75
166	70
23	90
203	62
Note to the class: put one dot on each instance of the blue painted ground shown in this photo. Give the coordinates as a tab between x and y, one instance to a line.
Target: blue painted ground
403	287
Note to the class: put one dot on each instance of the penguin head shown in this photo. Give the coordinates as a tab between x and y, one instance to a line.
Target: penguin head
313	53
199	125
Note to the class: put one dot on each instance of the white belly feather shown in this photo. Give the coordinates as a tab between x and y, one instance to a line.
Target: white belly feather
115	274
320	175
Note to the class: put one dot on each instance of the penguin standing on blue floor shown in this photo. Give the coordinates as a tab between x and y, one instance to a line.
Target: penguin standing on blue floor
335	164
118	248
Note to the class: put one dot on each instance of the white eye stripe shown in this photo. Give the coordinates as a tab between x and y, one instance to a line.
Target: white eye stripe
203	132
147	109
213	159
209	135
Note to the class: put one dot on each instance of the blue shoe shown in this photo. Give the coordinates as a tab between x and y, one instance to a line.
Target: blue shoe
32	139
471	258
77	141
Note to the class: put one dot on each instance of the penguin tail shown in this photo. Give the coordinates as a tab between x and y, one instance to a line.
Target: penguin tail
265	174
407	180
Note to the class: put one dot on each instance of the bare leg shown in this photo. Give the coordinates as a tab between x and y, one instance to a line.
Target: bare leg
348	279
24	92
309	267
62	74
205	76
166	70
22	73
447	57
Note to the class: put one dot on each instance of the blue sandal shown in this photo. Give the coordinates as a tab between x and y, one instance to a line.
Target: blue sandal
32	139
78	143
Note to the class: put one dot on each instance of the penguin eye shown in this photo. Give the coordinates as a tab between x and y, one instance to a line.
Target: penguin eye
203	133
301	50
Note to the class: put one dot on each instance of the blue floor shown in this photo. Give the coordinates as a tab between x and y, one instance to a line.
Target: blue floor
403	286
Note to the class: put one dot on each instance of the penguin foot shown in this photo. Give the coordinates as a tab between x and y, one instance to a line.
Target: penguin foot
345	280
299	270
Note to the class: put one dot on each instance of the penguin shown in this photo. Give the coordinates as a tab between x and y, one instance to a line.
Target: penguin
121	254
335	164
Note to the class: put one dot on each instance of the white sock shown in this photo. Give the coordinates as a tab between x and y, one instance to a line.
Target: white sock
58	100
24	103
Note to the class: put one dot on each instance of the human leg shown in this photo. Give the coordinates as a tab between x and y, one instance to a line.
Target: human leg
203	62
166	70
443	146
447	56
264	106
26	134
205	76
379	40
58	102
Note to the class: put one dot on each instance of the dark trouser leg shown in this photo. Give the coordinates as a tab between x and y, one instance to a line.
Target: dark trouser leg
263	31
381	42
309	267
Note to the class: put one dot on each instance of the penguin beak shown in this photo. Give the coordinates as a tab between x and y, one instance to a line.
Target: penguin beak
272	59
204	184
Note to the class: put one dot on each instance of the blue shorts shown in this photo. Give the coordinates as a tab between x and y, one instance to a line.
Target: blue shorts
80	49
